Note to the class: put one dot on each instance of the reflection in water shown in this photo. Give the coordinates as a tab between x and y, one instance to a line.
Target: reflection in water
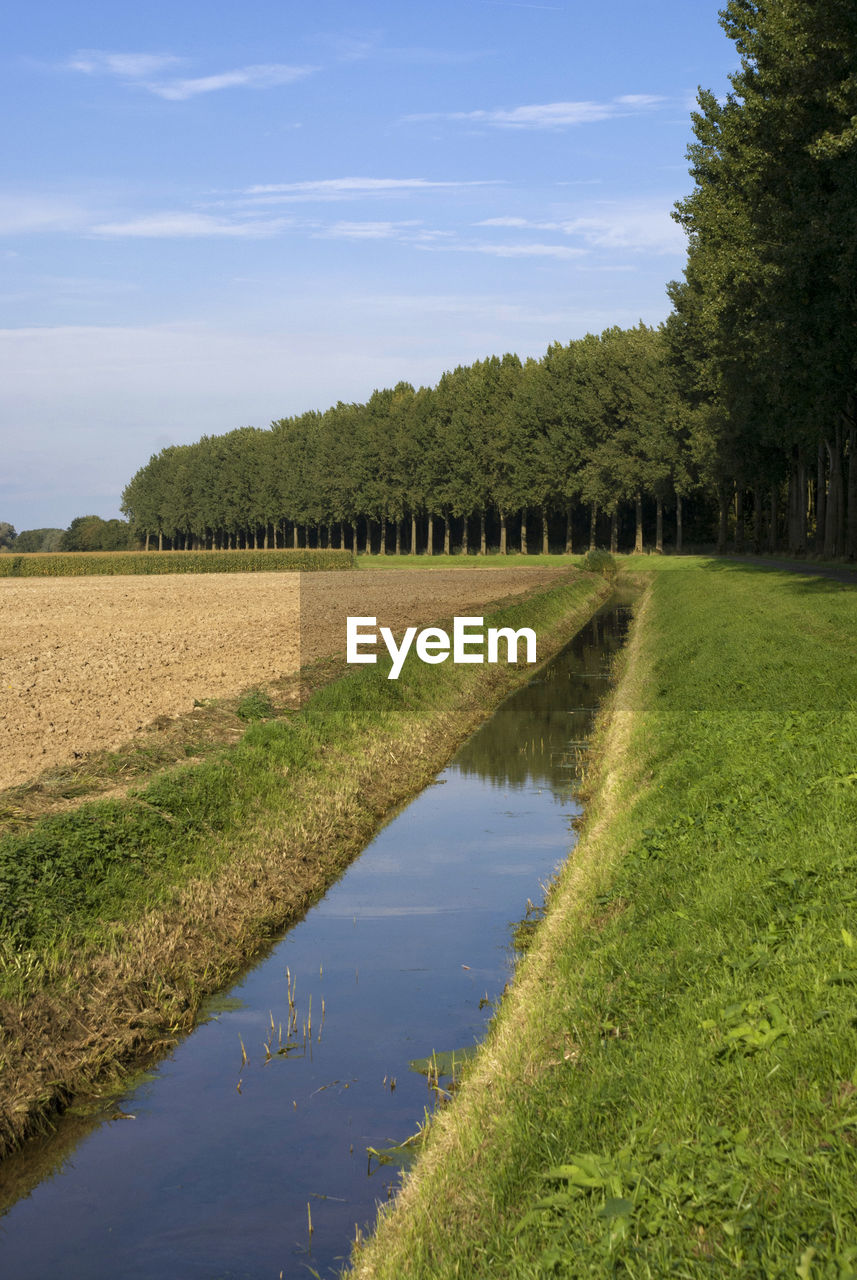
209	1179
532	737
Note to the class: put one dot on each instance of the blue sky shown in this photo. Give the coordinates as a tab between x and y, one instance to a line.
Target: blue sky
213	214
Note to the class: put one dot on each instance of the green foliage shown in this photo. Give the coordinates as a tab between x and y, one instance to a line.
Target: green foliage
7	535
598	561
762	337
39	540
155	562
91	533
256	705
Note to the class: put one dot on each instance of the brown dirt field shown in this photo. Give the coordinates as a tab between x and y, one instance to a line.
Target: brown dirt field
86	662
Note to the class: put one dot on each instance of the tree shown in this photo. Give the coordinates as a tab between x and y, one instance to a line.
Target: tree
769	286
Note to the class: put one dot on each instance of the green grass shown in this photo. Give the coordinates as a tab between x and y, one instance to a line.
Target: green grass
674	1090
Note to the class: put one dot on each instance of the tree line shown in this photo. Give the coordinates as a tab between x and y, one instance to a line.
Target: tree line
543	452
762	336
85	533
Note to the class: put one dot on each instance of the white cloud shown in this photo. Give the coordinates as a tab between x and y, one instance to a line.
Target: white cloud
138	69
550	115
561	251
257	77
20	214
640	229
366	230
505	222
189	225
644	228
127	66
349	188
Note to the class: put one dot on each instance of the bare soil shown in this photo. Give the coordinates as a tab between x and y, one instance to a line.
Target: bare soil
86	663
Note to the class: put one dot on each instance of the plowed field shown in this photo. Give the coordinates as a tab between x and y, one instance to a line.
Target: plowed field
85	662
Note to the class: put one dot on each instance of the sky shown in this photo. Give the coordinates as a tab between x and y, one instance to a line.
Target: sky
215	215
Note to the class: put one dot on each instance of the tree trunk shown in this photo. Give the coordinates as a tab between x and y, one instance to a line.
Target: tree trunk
638	514
851	525
820	498
465	546
545	542
383	550
659	526
446	539
398	537
569	534
483	542
614	531
502	533
354	550
679	532
739	520
593	522
833	541
772	522
430	537
413	534
723	519
523	531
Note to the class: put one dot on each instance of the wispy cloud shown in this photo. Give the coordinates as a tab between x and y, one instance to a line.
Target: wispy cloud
257	77
23	214
181	225
144	71
644	228
563	252
366	230
127	66
550	115
349	189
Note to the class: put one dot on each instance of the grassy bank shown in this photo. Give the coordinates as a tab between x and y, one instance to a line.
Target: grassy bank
119	917
670	1089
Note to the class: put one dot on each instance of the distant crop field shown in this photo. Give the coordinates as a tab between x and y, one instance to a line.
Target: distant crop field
79	564
87	662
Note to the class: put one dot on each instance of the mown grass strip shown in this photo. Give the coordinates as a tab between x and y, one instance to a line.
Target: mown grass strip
671	1087
80	564
118	917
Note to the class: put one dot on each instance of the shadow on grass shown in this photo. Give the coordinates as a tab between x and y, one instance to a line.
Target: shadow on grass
805	578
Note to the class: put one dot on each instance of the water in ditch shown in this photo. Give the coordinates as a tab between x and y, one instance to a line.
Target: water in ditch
258	1124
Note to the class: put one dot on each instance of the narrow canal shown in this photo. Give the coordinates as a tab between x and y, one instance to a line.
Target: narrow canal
259	1122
